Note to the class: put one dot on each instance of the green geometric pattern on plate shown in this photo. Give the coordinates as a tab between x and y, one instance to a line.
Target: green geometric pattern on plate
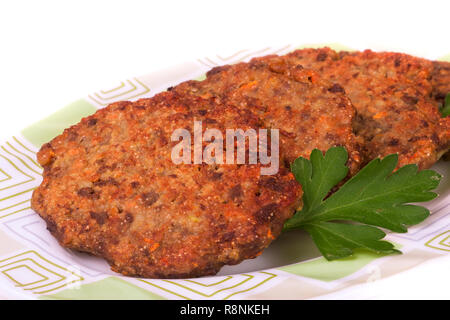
440	242
242	55
223	289
22	171
37	274
48	128
324	270
127	90
22	274
4	176
108	288
15	165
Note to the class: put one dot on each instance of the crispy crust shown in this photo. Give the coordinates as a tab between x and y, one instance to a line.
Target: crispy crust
111	189
392	96
440	80
307	110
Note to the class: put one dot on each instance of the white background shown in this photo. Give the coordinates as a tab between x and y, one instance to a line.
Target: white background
53	52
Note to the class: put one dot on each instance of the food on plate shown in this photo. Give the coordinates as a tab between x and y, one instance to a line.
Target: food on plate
309	112
111	186
392	96
111	189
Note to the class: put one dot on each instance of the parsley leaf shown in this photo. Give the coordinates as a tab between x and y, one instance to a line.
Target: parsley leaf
375	197
445	109
336	240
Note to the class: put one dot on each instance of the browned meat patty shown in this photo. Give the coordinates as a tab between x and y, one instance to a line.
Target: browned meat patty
440	80
309	112
392	96
111	189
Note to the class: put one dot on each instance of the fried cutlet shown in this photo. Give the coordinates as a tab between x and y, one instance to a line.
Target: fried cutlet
309	111
392	94
111	189
440	80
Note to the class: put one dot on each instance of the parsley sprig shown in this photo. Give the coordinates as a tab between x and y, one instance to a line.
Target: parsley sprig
375	197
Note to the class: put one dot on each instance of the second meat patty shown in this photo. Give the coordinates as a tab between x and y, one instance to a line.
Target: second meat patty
308	110
396	97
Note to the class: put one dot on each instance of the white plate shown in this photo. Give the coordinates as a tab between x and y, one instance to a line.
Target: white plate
33	265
